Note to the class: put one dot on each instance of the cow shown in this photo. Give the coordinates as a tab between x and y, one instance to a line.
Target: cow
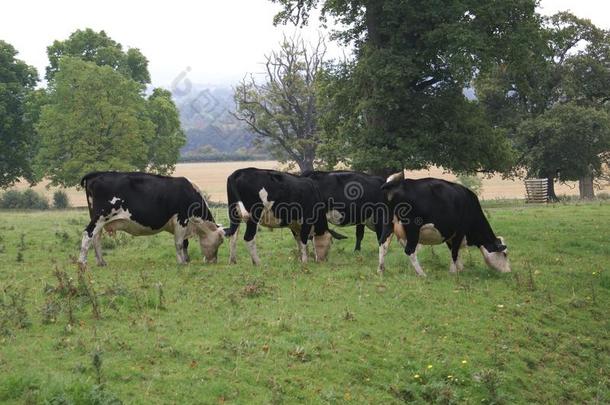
433	211
146	204
276	199
352	198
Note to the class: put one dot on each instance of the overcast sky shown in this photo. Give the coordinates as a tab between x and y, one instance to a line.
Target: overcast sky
218	40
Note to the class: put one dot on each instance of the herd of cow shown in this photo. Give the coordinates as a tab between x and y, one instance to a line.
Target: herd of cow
425	211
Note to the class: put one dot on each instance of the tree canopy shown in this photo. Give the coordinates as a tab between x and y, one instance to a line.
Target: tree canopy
17	82
99	48
96	119
400	102
168	136
573	139
565	73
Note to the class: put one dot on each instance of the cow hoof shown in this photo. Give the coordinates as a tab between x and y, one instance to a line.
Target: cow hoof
422	274
232	261
381	271
102	264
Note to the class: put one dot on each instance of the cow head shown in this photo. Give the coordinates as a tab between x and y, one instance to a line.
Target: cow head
210	238
321	245
496	255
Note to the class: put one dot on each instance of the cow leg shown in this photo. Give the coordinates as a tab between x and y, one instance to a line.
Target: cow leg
359	236
384	237
185	250
416	265
302	241
97	245
233	247
296	235
179	238
249	237
411	248
456	263
91	231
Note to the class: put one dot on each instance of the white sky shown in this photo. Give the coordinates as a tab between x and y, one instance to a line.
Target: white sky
219	40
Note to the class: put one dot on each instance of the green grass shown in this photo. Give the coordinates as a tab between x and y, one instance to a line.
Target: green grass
321	333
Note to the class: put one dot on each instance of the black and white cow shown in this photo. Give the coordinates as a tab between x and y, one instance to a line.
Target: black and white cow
432	211
276	199
351	198
146	204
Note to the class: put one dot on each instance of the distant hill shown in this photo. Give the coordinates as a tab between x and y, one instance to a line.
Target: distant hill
213	134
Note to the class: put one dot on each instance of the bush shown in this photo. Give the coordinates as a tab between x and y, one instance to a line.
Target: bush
60	199
474	183
28	199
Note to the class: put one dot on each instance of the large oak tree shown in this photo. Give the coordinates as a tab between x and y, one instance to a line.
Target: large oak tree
400	102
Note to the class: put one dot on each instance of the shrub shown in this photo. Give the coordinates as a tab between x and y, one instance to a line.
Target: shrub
60	199
28	199
474	183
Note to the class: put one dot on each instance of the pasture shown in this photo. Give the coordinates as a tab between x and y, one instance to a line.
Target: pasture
318	333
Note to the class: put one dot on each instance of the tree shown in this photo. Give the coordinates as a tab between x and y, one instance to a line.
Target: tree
168	137
400	102
283	111
17	81
99	48
96	119
573	139
567	65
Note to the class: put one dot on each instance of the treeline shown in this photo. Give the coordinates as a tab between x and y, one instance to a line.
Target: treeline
541	90
94	113
209	154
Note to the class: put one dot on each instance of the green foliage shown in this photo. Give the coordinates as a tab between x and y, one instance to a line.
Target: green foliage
60	199
331	332
472	182
567	64
168	137
95	120
95	116
568	138
400	102
17	82
24	200
99	48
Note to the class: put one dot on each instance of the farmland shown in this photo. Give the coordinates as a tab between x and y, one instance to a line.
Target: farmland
212	177
318	333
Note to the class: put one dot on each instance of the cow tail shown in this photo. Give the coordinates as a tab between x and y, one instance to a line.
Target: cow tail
233	198
83	184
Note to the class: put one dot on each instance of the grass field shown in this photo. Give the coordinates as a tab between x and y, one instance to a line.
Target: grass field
212	177
320	333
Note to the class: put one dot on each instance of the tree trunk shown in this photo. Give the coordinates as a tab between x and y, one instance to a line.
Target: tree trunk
551	189
585	187
305	165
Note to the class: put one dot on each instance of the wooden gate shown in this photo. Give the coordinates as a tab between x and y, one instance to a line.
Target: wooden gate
537	190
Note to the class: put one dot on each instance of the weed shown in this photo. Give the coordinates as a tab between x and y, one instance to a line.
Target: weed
490	380
161	296
50	311
13	310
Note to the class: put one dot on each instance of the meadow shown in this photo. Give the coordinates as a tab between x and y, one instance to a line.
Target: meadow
145	330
